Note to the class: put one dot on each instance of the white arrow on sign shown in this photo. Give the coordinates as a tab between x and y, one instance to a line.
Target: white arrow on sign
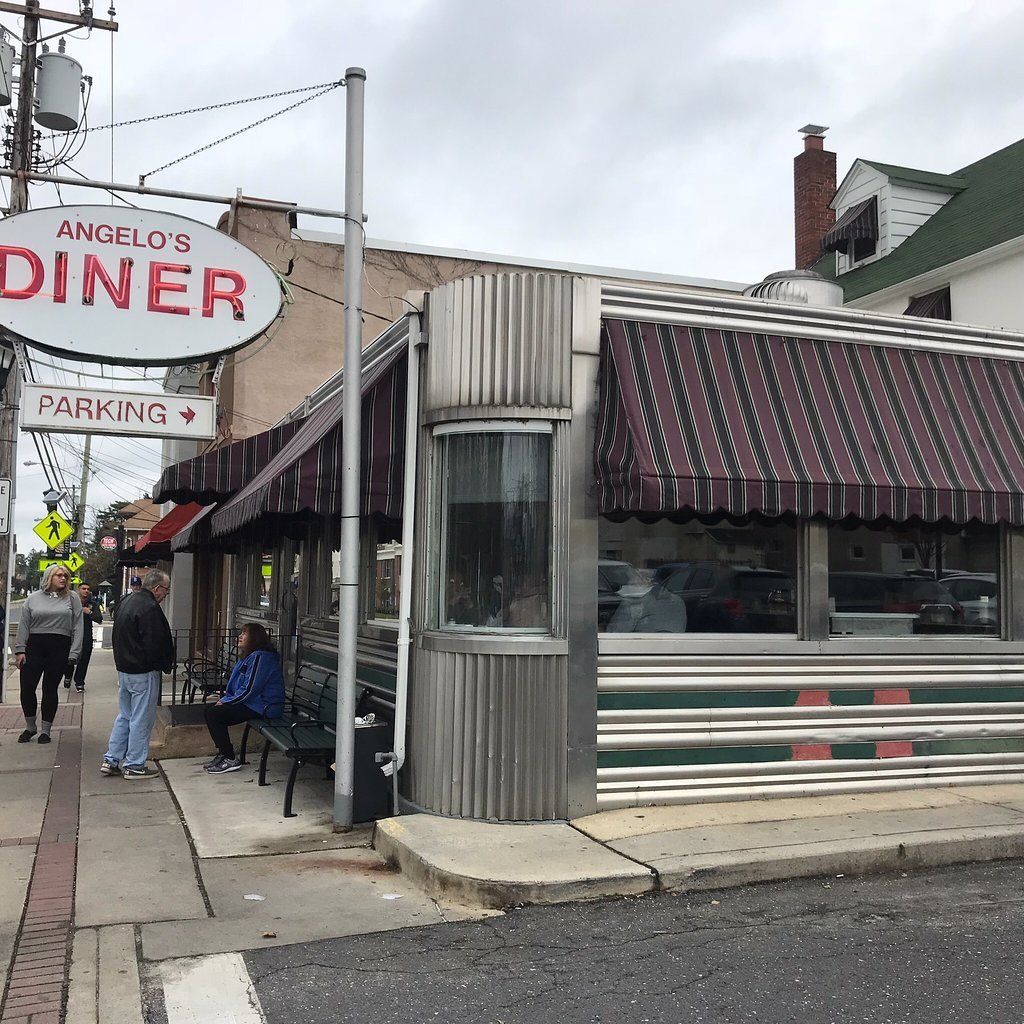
49	407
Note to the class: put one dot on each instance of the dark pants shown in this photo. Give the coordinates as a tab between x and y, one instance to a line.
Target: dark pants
83	662
46	657
220	717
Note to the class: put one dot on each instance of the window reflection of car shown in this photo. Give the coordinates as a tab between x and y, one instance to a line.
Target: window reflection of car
890	593
736	598
978	595
616	582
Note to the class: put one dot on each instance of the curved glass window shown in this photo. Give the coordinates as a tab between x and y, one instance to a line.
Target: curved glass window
494	502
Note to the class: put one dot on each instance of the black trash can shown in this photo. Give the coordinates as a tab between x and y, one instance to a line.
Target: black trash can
371	796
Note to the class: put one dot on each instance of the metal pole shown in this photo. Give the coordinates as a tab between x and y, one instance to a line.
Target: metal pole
21	160
23	177
83	488
348	598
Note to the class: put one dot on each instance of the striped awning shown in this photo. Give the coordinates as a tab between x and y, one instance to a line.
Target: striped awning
935	305
305	475
720	421
860	221
218	474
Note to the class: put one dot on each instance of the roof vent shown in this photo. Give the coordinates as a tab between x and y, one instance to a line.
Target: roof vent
797	288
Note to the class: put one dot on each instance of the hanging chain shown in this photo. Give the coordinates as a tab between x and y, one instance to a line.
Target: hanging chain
255	124
218	106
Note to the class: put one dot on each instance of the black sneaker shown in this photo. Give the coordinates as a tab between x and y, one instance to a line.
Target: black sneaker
26	735
140	772
80	688
109	768
67	683
44	737
224	764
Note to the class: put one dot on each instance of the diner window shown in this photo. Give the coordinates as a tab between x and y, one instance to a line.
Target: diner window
914	580
494	500
704	575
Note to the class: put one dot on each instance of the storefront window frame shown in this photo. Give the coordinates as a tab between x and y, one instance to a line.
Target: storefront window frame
435	574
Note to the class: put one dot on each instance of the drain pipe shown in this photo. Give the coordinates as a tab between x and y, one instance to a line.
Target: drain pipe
392	761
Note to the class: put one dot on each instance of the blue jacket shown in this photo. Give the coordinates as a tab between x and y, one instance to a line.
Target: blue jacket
256	681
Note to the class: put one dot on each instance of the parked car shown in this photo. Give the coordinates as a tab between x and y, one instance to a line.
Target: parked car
978	595
892	593
735	598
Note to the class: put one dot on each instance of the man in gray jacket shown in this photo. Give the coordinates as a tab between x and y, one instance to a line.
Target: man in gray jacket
143	648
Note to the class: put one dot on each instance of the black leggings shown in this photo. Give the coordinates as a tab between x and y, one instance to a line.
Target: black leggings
46	657
220	717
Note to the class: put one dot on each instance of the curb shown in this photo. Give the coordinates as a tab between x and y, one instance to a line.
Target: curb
447	883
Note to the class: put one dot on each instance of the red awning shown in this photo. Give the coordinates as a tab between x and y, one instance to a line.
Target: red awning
711	421
860	221
179	518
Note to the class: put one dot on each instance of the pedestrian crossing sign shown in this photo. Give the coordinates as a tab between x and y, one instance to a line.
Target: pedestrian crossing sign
53	530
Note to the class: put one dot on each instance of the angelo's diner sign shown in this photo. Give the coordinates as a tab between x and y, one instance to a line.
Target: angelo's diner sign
135	286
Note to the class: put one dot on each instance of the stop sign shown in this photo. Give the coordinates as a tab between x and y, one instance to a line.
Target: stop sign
108	543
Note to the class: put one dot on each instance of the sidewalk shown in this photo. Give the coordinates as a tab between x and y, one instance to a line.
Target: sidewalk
113	892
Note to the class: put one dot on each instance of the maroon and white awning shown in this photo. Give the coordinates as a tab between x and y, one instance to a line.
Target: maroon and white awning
305	475
721	421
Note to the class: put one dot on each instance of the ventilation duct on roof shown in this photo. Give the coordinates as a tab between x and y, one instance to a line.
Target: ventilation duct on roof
797	288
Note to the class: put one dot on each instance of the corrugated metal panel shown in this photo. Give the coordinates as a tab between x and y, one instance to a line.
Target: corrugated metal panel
682	730
490	735
501	340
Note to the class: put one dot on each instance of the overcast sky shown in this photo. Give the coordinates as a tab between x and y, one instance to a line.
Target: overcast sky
650	134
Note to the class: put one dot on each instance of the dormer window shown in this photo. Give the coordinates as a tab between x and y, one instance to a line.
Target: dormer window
855	233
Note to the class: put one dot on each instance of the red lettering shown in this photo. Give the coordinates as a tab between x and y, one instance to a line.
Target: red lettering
83	232
60	277
65	230
136	409
83	405
122	235
63	406
94	270
45	402
35	265
157	413
211	294
157	285
103	408
104	234
156	239
182	243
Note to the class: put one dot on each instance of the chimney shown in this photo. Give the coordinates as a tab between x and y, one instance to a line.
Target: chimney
814	185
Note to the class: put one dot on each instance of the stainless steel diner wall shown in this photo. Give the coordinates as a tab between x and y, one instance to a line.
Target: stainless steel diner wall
677	729
499	341
489	736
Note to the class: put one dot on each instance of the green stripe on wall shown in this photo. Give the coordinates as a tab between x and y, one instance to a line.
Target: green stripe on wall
993	745
697	699
690	755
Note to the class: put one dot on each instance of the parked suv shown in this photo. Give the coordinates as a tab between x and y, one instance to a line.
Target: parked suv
735	598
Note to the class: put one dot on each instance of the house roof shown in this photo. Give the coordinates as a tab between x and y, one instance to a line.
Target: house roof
988	210
930	179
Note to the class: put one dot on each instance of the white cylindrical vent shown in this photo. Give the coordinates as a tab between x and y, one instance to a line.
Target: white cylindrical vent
797	287
58	88
6	72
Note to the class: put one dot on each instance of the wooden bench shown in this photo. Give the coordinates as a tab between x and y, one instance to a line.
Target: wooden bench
305	730
206	674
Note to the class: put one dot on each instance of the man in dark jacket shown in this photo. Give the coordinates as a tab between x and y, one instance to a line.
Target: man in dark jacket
143	648
91	617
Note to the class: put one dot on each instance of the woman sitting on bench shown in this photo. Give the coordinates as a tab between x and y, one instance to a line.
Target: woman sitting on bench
255	690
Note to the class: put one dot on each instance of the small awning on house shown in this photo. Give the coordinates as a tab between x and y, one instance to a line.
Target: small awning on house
189	536
216	475
305	475
720	421
935	305
860	221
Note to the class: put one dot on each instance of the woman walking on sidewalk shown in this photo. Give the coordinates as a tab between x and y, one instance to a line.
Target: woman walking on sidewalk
49	637
255	690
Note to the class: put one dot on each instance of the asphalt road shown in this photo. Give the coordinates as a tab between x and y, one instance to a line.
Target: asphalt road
930	947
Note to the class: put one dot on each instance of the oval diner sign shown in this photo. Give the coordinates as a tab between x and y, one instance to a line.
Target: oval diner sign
138	286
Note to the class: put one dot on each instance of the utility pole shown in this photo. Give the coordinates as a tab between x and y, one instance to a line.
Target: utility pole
83	487
21	162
